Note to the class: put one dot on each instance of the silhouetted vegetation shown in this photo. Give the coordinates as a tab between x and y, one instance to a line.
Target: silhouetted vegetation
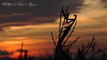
62	51
88	51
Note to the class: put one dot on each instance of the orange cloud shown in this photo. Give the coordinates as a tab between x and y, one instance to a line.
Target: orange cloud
13	14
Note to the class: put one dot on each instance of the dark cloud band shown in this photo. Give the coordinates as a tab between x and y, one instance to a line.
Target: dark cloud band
44	9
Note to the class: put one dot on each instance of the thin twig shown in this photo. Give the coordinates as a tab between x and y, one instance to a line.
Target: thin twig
53	39
73	42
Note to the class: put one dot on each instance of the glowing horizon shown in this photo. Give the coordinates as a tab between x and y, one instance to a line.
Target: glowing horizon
34	29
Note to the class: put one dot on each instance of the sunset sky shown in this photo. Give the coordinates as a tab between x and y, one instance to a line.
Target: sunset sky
33	25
